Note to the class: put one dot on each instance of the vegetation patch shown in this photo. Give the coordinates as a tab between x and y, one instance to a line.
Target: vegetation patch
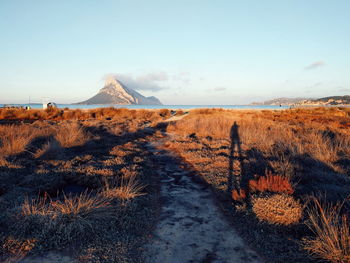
265	165
62	187
277	209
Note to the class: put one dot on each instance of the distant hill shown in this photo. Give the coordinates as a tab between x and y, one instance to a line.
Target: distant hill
114	92
281	101
326	101
333	100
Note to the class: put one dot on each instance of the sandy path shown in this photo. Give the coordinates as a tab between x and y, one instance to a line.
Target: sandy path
191	227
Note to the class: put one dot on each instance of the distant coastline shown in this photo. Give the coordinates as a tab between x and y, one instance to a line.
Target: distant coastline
93	106
176	107
325	101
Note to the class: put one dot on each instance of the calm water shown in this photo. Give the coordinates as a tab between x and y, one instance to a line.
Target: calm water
173	107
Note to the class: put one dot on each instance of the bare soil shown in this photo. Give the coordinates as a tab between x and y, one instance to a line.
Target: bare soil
191	227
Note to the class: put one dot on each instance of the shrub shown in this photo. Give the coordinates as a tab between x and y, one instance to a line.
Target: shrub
58	222
332	233
278	209
271	183
71	134
14	139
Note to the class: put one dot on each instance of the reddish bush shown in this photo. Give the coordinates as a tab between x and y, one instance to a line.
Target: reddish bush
238	195
271	183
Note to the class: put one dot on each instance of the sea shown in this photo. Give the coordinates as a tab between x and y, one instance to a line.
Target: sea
171	107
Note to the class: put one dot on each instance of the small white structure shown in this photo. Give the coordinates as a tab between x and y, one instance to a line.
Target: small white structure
47	104
45	101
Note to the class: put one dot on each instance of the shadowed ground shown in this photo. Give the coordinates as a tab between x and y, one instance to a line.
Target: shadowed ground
191	227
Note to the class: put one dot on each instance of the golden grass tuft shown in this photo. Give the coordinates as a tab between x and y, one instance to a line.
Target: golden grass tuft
61	221
37	206
278	209
19	247
85	206
332	233
71	134
14	139
128	188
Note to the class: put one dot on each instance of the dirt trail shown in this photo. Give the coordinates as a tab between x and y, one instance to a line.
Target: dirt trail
191	227
176	117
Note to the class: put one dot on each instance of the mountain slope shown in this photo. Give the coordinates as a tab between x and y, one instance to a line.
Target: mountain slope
115	92
281	101
332	100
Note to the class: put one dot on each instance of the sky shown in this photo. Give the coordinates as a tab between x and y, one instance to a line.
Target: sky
183	52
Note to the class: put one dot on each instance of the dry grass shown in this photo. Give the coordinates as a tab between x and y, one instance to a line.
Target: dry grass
215	125
127	189
84	206
278	209
308	151
305	146
48	161
71	134
332	233
36	206
19	247
271	183
56	223
77	114
321	136
14	139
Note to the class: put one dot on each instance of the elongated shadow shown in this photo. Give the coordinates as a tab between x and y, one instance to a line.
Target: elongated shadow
237	177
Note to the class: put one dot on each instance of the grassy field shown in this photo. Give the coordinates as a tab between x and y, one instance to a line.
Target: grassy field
77	182
283	176
82	182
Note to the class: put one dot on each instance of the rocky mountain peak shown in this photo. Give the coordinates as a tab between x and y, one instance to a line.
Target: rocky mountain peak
115	92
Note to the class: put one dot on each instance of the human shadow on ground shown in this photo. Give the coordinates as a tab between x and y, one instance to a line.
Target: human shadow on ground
313	176
238	178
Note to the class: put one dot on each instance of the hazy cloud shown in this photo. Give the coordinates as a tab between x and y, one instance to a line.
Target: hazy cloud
152	81
341	89
183	77
315	65
313	87
217	89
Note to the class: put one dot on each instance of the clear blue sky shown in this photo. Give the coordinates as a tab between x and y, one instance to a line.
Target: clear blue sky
183	52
